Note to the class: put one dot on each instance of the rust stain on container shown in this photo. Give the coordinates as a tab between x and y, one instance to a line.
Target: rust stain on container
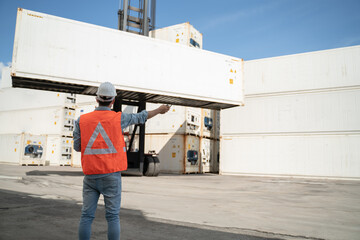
33	15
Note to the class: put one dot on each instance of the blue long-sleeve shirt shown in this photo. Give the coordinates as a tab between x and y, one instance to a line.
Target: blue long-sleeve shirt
127	119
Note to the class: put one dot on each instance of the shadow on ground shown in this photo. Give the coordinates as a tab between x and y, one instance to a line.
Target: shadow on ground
27	217
61	173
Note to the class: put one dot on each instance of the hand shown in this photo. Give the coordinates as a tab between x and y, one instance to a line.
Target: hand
164	109
160	110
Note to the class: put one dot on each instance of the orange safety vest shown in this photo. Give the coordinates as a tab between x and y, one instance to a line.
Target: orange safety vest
103	147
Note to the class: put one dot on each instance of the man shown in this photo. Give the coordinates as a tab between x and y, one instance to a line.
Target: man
98	135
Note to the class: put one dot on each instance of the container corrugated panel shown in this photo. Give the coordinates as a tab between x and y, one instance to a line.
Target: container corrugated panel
179	120
59	54
210	121
331	111
11	148
85	100
319	155
5	81
307	71
206	154
209	151
54	150
37	121
59	150
306	122
170	149
184	34
185	120
177	153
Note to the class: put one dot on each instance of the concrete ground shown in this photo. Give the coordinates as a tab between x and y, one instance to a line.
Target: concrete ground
45	202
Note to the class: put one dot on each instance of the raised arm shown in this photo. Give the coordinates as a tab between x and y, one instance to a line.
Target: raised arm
160	110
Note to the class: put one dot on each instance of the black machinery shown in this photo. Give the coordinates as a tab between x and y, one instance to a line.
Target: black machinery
138	17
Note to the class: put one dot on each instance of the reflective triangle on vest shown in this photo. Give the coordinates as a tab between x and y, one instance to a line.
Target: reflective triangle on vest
99	130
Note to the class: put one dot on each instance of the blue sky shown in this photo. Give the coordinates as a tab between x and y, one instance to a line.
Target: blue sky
249	29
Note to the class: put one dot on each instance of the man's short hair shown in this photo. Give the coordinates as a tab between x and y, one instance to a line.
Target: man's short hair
104	101
105	98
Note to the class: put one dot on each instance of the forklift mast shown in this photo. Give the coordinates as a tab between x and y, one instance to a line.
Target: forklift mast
138	17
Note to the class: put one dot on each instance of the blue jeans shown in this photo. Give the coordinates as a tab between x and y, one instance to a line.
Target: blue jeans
109	185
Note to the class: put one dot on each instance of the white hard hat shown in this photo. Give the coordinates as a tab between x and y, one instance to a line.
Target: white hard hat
106	90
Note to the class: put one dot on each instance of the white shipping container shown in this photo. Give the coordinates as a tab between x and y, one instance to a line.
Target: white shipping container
303	72
37	121
209	151
185	120
302	117
23	149
177	153
11	148
33	150
59	150
85	100
28	149
184	34
192	159
331	111
5	81
210	121
63	51
206	154
53	153
335	155
179	120
18	99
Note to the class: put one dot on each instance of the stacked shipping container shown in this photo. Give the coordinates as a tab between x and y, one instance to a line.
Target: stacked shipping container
184	34
186	138
301	117
38	125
